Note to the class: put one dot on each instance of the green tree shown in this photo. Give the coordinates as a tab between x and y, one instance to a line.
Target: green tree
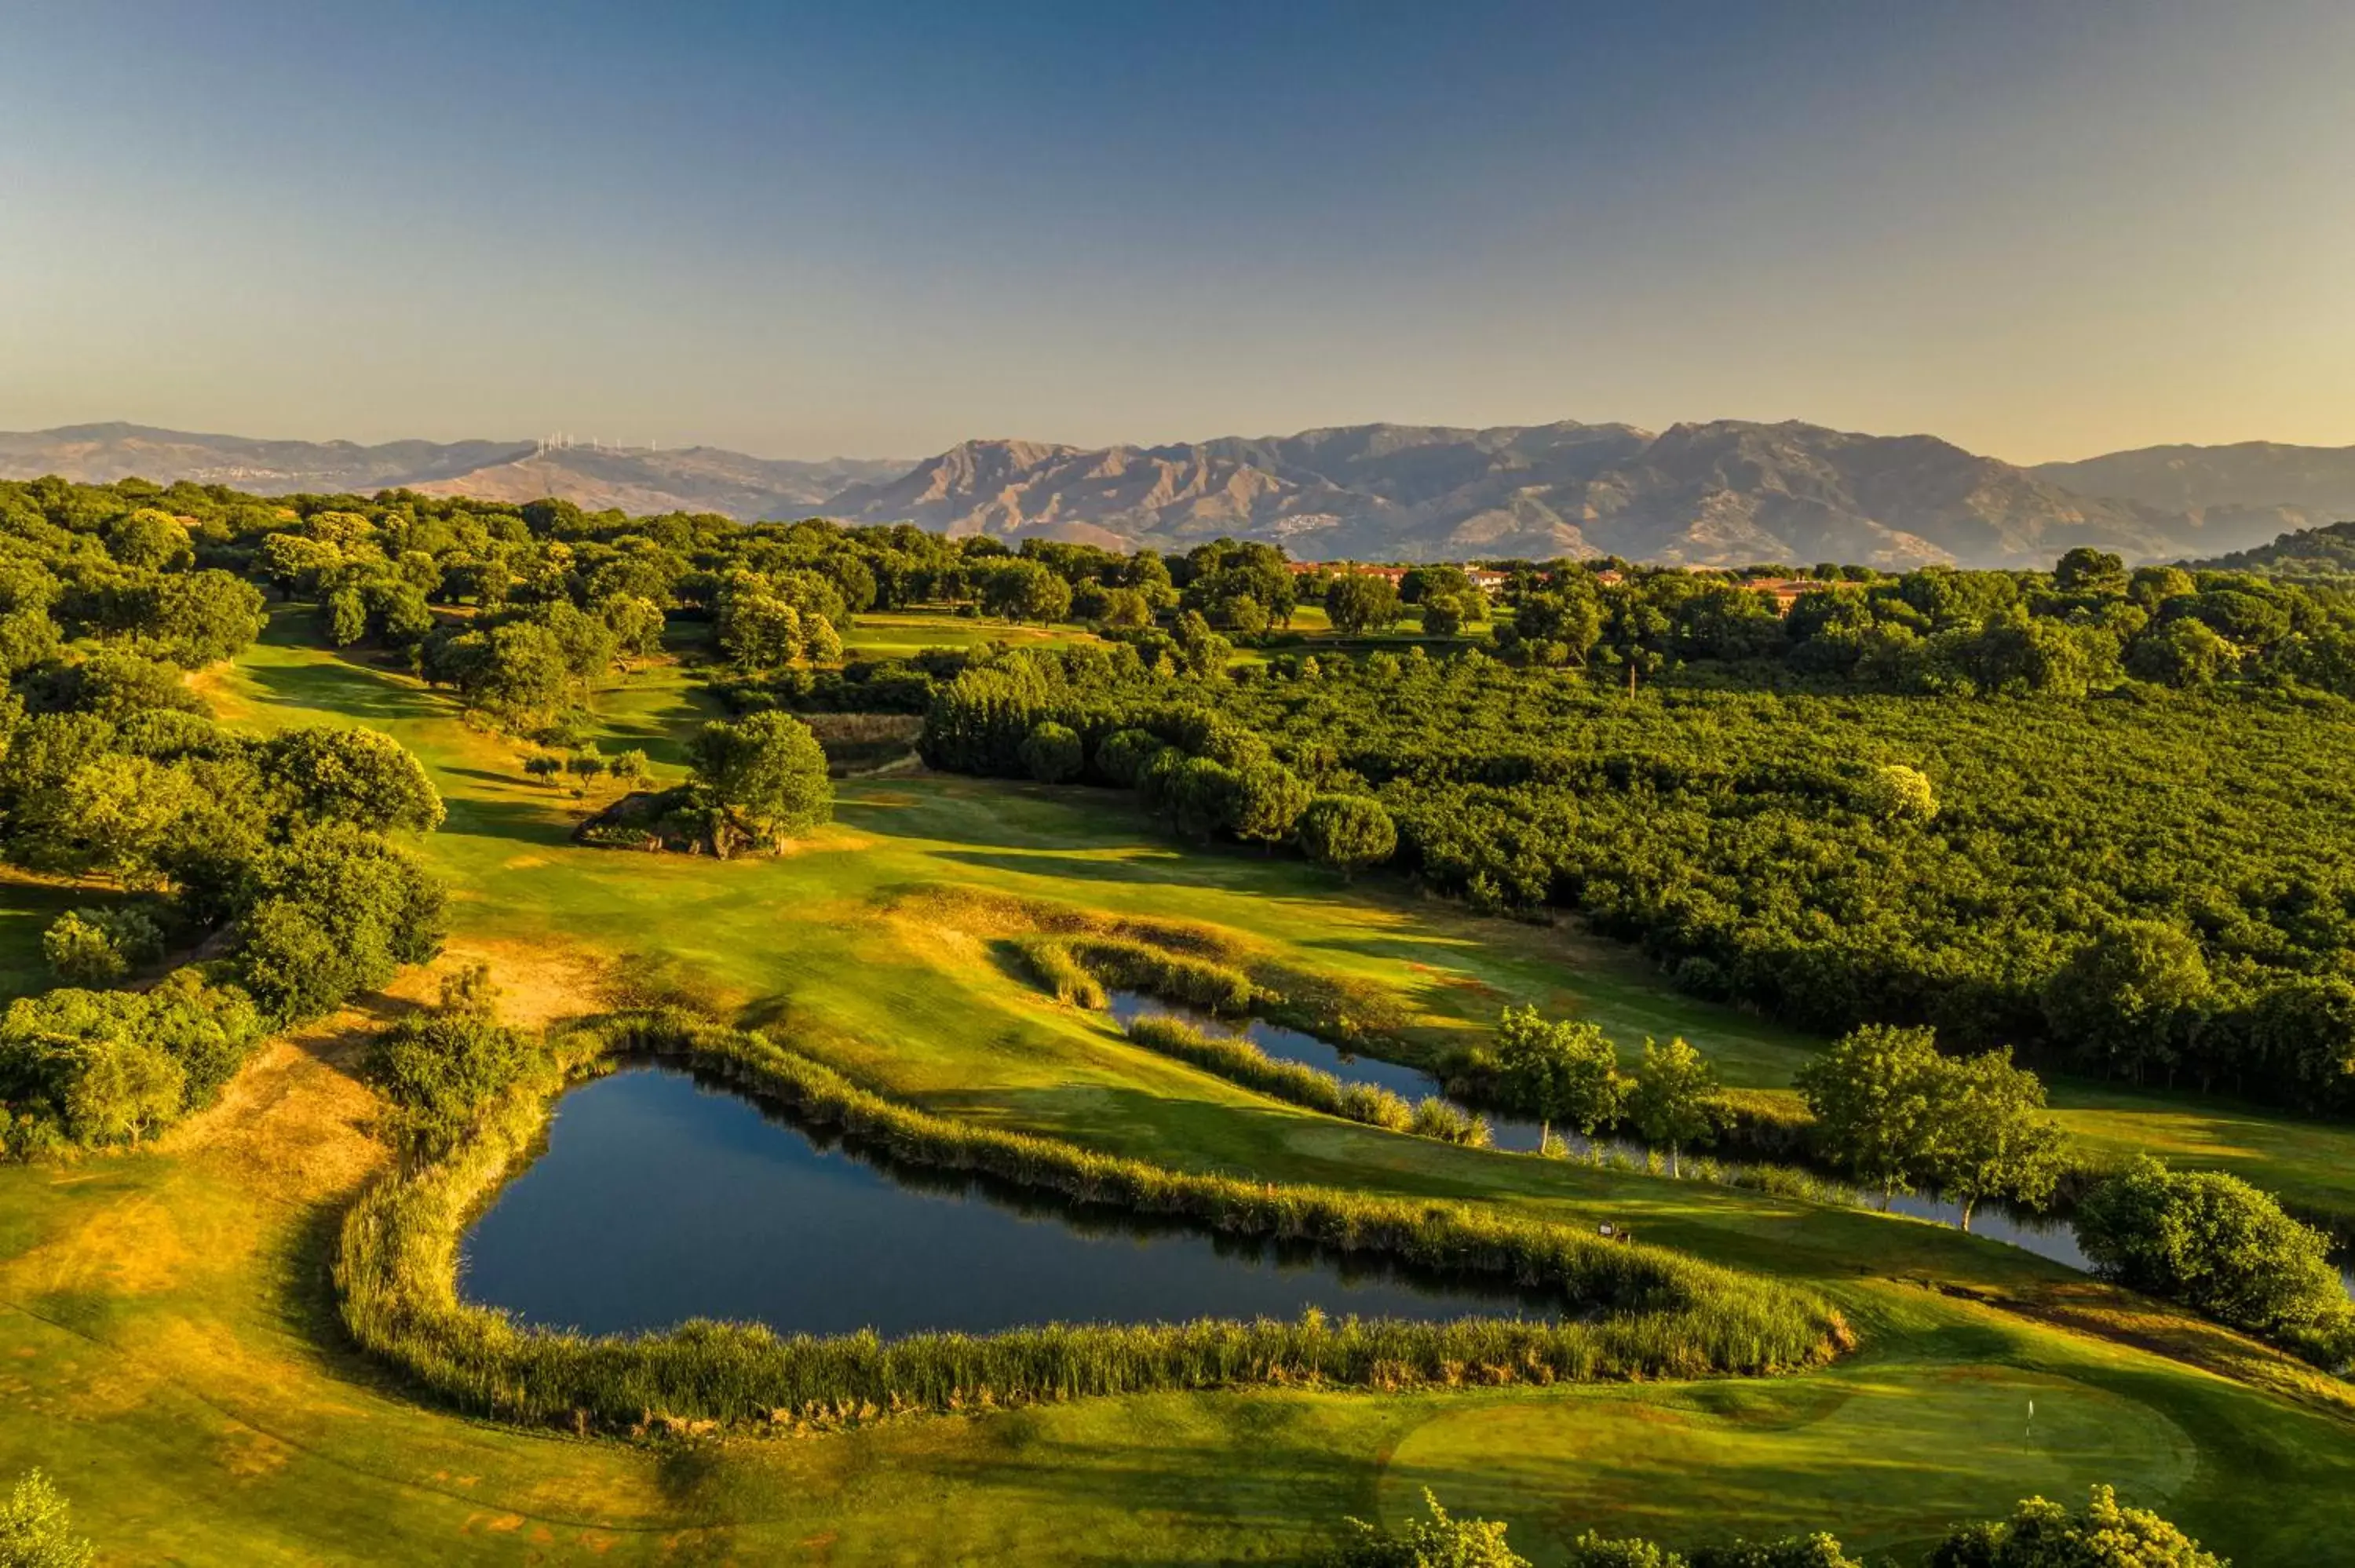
1990	1137
1024	590
757	629
1201	796
765	775
36	1528
1872	1094
1633	636
1558	1071
1269	799
149	539
821	643
98	947
2043	1534
339	773
2128	998
120	1089
2183	653
1120	755
523	678
336	911
1053	753
2213	1242
1347	832
1672	1099
1359	602
637	623
1894	792
441	1066
2087	570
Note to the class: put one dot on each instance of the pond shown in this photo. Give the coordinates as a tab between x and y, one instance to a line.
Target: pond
658	1199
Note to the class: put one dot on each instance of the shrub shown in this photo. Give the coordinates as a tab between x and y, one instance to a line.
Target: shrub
1439	1541
1347	832
1122	756
37	1529
101	1067
442	1067
2043	1534
98	947
1449	1122
2211	1241
1053	753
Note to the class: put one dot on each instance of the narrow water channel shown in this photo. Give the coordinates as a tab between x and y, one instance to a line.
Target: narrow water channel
2045	1235
657	1200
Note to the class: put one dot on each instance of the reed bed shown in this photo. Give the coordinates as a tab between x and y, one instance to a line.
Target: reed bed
1631	1311
1240	1062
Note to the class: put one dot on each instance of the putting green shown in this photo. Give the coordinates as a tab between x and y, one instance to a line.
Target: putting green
1893	1453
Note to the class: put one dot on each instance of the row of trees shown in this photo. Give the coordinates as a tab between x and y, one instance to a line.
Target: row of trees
1897	1114
2088	625
1568	1071
2038	1534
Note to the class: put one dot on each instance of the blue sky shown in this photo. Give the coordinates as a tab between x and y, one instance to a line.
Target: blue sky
2043	231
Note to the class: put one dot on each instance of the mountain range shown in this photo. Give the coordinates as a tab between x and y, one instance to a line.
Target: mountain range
1724	493
636	480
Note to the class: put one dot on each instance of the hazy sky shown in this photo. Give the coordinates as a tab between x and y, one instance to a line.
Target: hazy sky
2040	229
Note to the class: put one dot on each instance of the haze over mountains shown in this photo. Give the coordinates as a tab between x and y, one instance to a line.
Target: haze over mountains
691	478
1725	492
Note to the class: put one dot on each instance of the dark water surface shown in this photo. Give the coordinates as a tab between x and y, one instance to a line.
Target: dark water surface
658	1200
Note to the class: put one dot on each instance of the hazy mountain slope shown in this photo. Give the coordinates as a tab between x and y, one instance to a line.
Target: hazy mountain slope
99	454
2247	476
1727	492
690	479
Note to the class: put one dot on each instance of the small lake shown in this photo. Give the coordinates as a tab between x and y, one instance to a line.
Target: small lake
657	1200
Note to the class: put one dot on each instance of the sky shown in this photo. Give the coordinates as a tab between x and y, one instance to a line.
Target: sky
2041	230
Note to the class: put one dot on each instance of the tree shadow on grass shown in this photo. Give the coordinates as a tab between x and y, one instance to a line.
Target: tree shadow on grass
350	691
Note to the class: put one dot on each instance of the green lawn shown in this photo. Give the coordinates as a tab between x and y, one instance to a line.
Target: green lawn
167	1344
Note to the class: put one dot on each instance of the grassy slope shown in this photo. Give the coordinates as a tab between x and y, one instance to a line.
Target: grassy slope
166	1343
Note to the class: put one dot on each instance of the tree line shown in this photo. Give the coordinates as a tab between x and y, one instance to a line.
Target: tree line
272	863
2153	885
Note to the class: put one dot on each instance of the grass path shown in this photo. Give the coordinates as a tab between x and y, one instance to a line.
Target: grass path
166	1336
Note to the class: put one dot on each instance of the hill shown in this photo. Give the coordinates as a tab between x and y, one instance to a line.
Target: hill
2318	481
1722	494
690	479
2325	552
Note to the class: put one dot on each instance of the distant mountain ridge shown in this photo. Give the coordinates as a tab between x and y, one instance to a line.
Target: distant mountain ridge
2320	481
688	479
1723	492
1726	493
